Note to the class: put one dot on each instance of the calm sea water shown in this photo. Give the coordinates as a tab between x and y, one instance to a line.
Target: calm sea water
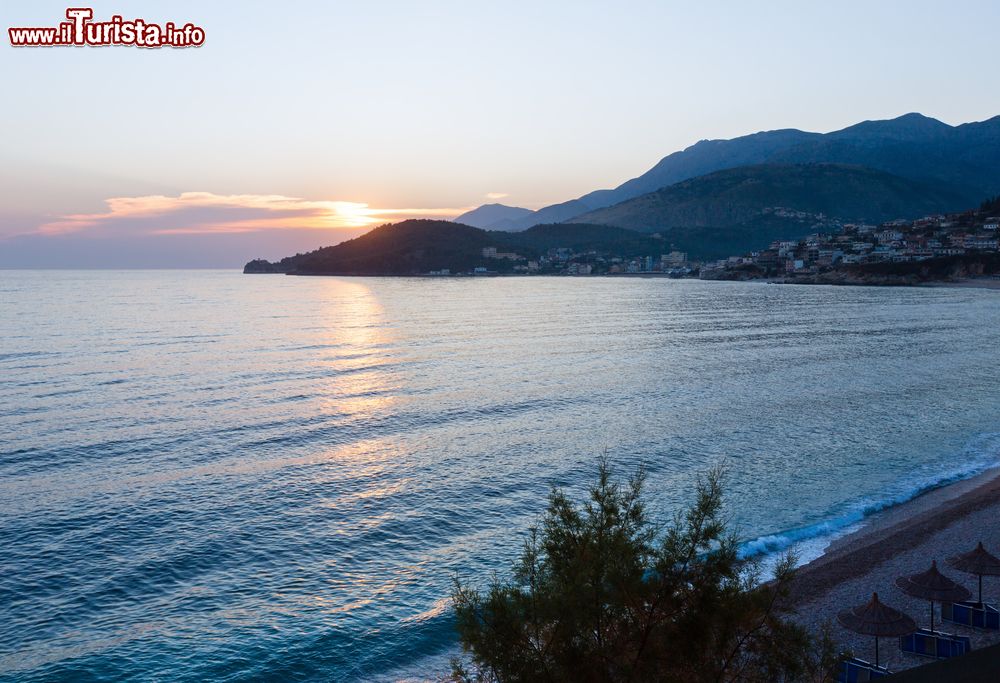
211	476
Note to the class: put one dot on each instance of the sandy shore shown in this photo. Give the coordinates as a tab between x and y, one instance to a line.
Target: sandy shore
899	542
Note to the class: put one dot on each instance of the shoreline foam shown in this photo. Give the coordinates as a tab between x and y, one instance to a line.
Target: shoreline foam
929	510
902	540
813	540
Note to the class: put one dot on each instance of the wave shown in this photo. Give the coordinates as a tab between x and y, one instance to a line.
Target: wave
811	540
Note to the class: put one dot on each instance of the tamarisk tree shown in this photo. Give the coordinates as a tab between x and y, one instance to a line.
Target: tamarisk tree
600	594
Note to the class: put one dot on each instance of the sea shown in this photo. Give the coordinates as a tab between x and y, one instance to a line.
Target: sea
210	476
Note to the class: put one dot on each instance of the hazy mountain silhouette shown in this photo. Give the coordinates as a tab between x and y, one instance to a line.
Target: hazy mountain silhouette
494	217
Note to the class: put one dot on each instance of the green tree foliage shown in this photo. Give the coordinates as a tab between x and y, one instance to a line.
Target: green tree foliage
600	594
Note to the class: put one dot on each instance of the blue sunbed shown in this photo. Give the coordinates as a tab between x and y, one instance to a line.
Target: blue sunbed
974	614
935	644
859	671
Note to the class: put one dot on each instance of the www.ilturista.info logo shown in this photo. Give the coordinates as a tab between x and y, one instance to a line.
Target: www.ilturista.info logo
80	31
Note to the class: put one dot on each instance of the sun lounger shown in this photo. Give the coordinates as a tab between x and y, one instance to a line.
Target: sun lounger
860	671
974	614
929	643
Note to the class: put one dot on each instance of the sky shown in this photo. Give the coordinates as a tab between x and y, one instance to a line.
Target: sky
300	124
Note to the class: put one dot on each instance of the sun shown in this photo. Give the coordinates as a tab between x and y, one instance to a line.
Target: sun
350	215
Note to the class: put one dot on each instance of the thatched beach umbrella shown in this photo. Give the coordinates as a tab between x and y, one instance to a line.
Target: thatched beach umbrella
876	619
978	562
934	586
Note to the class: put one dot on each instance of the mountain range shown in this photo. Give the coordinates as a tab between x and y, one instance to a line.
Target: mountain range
714	199
960	163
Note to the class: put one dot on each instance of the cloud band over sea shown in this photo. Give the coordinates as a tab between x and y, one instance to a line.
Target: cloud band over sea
137	226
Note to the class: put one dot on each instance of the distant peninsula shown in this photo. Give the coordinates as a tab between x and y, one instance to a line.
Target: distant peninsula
428	247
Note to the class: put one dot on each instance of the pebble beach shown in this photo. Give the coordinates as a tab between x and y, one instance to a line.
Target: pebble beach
901	542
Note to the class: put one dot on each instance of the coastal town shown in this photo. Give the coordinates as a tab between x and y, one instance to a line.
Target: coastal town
834	248
852	244
566	261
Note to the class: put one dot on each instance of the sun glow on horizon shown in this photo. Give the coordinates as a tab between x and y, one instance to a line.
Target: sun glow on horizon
206	212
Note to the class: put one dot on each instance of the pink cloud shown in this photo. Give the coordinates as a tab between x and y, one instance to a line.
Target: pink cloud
206	212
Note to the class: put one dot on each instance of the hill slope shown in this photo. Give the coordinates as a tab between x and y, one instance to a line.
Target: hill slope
733	211
583	237
407	248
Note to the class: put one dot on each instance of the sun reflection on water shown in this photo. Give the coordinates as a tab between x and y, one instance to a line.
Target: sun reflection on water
361	382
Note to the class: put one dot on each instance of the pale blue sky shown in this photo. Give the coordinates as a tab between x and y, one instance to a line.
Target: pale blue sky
434	105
